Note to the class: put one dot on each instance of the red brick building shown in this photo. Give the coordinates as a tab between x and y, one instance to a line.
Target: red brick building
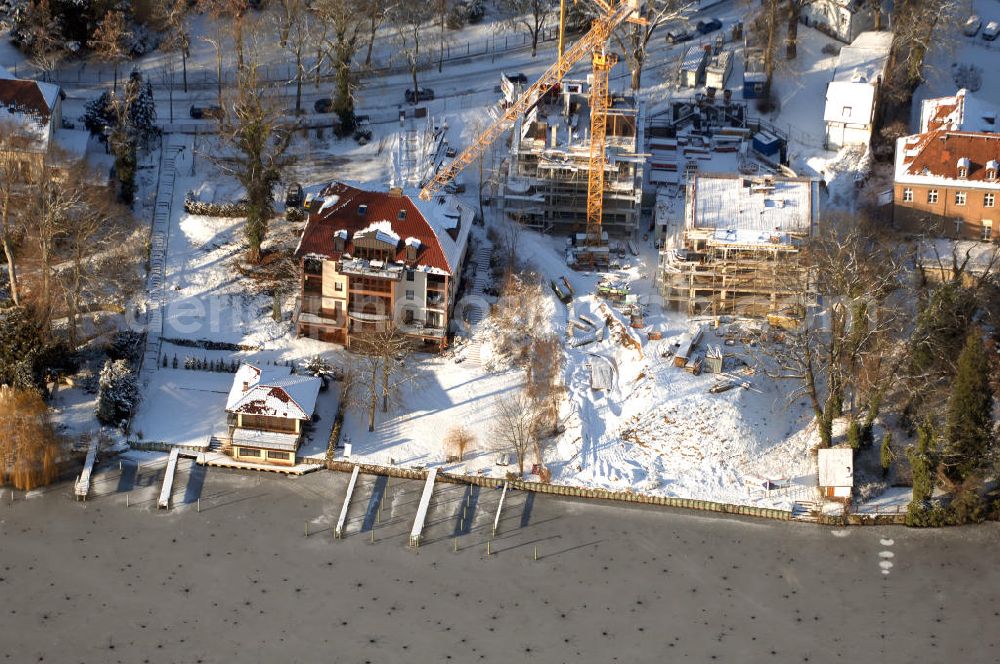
947	183
371	259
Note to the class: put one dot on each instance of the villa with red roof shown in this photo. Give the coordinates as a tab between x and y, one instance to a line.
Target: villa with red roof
947	178
267	410
375	258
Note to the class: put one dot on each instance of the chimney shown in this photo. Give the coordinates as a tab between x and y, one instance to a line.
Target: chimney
396	192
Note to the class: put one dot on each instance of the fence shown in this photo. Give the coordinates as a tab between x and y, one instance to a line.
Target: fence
571	491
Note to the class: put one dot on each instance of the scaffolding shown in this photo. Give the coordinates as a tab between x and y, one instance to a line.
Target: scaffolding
734	260
548	172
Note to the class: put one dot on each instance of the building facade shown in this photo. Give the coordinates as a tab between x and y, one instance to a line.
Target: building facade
843	20
374	259
946	184
852	98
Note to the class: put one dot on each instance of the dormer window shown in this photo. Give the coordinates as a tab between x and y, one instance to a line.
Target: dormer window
340	240
362	210
963	167
412	247
992	168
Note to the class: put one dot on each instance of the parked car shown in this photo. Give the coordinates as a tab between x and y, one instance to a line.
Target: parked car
679	33
324	105
423	94
708	25
972	26
294	196
203	112
991	31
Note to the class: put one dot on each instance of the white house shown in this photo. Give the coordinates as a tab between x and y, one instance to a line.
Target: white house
841	19
836	472
962	111
267	409
852	96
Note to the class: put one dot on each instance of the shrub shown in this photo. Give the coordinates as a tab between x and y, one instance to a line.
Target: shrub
119	392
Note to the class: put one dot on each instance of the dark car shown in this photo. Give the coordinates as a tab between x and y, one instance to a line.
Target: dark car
423	94
706	26
294	196
679	34
202	112
324	105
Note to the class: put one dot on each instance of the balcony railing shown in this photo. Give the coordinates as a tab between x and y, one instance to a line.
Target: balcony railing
366	268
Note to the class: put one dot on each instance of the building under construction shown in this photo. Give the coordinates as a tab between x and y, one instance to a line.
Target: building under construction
546	179
738	250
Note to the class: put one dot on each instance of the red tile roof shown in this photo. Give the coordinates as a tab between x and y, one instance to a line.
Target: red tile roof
24	97
317	238
939	151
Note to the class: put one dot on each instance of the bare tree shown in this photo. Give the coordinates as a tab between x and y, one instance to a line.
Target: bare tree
633	38
515	425
258	142
458	441
544	379
94	238
29	447
407	20
230	15
343	28
530	15
44	39
16	179
110	40
295	28
173	16
380	367
843	357
376	12
917	25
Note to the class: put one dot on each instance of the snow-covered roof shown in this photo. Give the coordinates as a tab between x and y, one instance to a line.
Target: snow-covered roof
962	111
865	59
28	105
836	466
850	103
380	230
441	225
932	158
752	209
273	391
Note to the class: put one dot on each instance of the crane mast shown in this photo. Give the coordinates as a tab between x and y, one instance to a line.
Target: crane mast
595	43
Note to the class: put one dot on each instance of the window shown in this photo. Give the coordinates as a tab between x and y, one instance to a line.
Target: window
409	275
963	172
987	231
907	195
959	198
339	287
402	215
248	452
989	199
932	196
846	112
409	295
281	456
362	209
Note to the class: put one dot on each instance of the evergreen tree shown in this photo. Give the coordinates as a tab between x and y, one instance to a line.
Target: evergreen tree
922	463
21	347
885	454
119	392
854	434
968	433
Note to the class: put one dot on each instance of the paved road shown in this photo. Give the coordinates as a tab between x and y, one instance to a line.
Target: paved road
239	581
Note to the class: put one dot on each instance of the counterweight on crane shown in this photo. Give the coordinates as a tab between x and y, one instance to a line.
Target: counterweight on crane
595	43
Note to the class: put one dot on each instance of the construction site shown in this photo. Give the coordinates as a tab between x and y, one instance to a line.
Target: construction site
737	248
547	176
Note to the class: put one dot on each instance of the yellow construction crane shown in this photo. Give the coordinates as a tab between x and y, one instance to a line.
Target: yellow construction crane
595	43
